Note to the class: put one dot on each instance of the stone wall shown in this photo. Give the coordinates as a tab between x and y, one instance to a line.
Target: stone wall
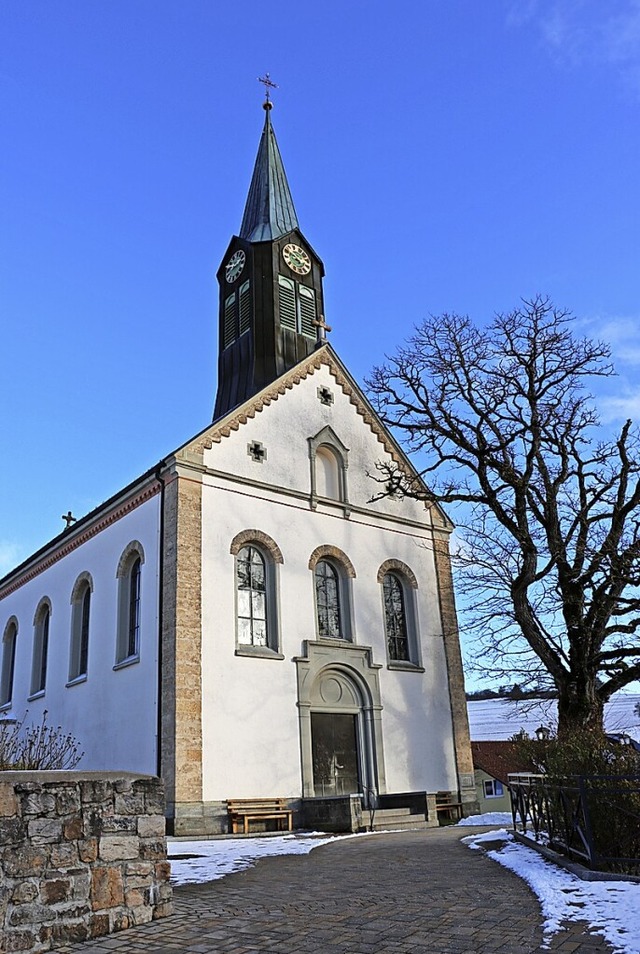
82	854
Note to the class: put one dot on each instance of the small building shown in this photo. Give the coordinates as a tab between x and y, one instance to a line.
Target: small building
492	764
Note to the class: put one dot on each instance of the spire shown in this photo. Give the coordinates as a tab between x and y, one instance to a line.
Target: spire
269	212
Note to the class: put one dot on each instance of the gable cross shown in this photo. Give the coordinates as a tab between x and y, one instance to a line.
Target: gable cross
69	519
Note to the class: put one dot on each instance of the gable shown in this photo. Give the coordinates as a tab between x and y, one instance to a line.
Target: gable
274	438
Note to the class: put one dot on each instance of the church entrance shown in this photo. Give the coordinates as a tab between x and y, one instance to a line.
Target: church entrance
335	756
340	724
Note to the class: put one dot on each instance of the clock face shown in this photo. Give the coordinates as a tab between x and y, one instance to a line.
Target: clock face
297	259
235	265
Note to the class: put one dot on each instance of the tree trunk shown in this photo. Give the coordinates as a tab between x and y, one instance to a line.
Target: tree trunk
580	708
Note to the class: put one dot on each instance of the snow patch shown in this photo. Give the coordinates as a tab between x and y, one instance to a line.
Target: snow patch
611	908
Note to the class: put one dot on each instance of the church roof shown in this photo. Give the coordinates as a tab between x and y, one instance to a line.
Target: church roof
269	213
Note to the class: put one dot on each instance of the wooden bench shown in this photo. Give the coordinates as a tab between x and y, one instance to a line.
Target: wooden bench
447	808
242	811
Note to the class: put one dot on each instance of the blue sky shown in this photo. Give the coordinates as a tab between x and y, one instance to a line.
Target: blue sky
442	156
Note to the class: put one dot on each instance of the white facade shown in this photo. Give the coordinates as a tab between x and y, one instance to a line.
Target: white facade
111	710
291	474
273	496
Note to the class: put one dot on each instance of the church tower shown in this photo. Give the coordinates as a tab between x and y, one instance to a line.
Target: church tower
271	305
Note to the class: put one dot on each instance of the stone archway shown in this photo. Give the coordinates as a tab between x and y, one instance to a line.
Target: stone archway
340	722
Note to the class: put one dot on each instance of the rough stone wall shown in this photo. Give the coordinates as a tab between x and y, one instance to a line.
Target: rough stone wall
459	716
81	855
182	652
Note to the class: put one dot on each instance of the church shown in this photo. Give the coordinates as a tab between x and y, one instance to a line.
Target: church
246	619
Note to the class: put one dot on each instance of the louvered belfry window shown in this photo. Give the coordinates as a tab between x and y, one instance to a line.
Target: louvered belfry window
229	328
297	306
245	307
287	302
307	311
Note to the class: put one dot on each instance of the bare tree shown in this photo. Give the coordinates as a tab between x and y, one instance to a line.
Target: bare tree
503	422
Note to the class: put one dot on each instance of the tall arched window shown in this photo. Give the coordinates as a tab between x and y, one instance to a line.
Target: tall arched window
40	647
129	574
9	641
257	557
80	620
399	589
332	574
251	580
328	605
395	618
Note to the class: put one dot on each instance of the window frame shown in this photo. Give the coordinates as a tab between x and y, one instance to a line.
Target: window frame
80	629
8	670
495	784
331	443
271	556
406	578
345	572
132	557
41	629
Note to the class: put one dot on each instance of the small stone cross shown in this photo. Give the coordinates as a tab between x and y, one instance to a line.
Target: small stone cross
257	452
69	518
325	395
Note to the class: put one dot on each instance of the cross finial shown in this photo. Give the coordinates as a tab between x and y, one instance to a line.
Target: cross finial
268	84
69	519
322	329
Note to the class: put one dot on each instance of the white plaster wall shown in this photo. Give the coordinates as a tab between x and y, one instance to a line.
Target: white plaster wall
295	416
112	713
250	718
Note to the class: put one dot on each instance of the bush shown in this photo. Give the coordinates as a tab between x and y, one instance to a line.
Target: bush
591	792
37	747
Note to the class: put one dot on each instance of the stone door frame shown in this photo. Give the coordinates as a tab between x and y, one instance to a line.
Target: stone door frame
352	667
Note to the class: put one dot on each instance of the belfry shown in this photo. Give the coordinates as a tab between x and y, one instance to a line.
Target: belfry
270	280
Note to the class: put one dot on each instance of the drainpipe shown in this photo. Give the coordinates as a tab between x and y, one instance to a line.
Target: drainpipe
161	480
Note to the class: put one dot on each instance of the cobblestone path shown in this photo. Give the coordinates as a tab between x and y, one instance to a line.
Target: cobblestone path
399	893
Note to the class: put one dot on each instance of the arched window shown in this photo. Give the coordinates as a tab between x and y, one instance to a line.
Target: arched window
327	474
40	647
399	587
328	608
395	618
129	575
251	576
332	573
80	620
9	641
329	463
256	567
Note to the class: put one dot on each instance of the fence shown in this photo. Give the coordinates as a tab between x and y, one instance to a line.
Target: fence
593	819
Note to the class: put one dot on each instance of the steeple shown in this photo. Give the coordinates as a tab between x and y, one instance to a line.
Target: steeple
269	213
271	300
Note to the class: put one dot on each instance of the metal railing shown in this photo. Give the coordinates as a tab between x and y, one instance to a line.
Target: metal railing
594	819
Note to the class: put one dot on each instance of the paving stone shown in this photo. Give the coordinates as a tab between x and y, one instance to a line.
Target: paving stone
406	893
